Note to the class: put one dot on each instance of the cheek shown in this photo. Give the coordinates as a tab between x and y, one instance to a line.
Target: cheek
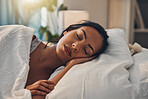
61	41
97	49
65	38
68	40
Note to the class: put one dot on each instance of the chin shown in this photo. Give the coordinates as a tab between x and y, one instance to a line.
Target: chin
61	54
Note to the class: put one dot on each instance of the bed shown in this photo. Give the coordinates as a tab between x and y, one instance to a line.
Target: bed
115	74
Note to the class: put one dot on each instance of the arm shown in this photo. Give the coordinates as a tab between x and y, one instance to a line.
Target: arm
56	79
69	65
61	74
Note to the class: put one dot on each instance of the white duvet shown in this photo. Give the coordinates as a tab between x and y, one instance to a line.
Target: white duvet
15	43
110	76
105	77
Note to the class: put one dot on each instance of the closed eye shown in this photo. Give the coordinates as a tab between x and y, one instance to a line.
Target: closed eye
85	51
78	37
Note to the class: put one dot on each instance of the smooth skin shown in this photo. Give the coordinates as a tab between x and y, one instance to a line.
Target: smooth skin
82	44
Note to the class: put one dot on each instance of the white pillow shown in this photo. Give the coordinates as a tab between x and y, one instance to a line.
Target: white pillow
139	74
105	77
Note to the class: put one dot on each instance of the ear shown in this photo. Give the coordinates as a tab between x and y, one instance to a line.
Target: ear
65	32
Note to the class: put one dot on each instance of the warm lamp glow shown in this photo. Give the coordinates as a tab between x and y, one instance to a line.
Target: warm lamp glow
43	16
32	5
31	0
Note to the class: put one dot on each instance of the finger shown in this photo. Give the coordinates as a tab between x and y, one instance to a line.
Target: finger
49	86
37	92
39	87
31	87
92	57
50	82
42	88
47	81
82	60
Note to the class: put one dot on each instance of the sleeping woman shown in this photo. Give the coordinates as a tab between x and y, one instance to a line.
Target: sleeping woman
79	43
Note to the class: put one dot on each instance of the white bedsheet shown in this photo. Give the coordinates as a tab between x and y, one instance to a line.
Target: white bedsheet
14	61
105	77
113	75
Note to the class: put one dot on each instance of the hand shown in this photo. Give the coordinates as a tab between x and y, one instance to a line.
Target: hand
41	87
79	60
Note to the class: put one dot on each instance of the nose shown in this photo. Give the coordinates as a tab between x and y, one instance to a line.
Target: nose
75	46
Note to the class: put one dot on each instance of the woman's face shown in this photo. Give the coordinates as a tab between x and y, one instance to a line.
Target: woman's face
81	42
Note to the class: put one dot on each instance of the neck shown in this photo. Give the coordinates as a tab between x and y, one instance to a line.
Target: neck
51	58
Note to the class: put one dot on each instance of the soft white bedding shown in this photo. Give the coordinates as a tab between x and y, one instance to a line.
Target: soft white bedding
139	74
113	75
106	77
15	43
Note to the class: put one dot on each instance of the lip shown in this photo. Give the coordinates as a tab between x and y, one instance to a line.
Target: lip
67	50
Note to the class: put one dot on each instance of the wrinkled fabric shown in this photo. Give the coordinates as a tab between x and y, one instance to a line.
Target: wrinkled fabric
15	43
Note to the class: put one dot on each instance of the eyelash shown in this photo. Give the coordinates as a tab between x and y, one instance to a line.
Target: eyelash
84	47
85	51
78	37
